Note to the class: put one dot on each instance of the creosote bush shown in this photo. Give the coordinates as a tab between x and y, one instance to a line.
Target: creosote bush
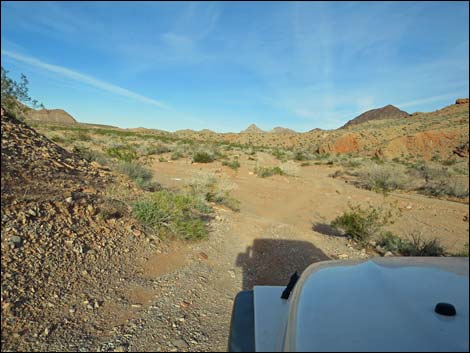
361	224
415	245
265	172
203	157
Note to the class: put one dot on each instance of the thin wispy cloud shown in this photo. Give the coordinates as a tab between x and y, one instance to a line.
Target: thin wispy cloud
442	97
76	76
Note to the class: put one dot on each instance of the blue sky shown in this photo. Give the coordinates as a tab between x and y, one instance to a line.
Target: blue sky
223	66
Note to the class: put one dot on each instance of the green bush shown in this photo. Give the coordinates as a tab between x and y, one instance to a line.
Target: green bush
122	153
203	157
139	174
265	172
90	155
390	242
414	246
362	224
180	215
232	164
176	155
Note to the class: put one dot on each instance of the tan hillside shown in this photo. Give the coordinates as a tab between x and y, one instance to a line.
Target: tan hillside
51	116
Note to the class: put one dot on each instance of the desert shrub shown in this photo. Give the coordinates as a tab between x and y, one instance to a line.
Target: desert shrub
232	164
265	172
450	161
290	168
383	177
112	208
148	149
279	154
460	169
463	252
203	157
302	156
122	152
176	214
305	164
321	156
446	187
377	160
156	149
57	139
176	155
162	159
139	174
350	163
361	224
82	136
390	242
90	155
415	245
250	151
207	187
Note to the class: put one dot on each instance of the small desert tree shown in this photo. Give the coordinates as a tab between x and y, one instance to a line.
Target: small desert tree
15	95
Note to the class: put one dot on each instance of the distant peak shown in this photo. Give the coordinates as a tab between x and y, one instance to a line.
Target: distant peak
252	129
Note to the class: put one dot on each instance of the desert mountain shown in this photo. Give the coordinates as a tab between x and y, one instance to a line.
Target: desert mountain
387	112
51	116
206	131
282	130
252	129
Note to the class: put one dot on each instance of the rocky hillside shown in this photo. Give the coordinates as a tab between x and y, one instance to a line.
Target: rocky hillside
387	112
51	116
443	133
63	243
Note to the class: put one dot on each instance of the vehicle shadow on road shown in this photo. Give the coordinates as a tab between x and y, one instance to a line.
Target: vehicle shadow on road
326	229
273	261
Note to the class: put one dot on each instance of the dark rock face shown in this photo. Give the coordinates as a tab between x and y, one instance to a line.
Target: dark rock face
461	101
387	112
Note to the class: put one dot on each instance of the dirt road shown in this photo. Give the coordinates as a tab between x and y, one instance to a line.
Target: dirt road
183	299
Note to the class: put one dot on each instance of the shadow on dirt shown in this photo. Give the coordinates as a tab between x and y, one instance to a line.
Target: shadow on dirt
273	261
326	229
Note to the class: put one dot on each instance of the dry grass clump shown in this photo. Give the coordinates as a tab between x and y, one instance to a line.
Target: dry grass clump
290	168
383	177
209	187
